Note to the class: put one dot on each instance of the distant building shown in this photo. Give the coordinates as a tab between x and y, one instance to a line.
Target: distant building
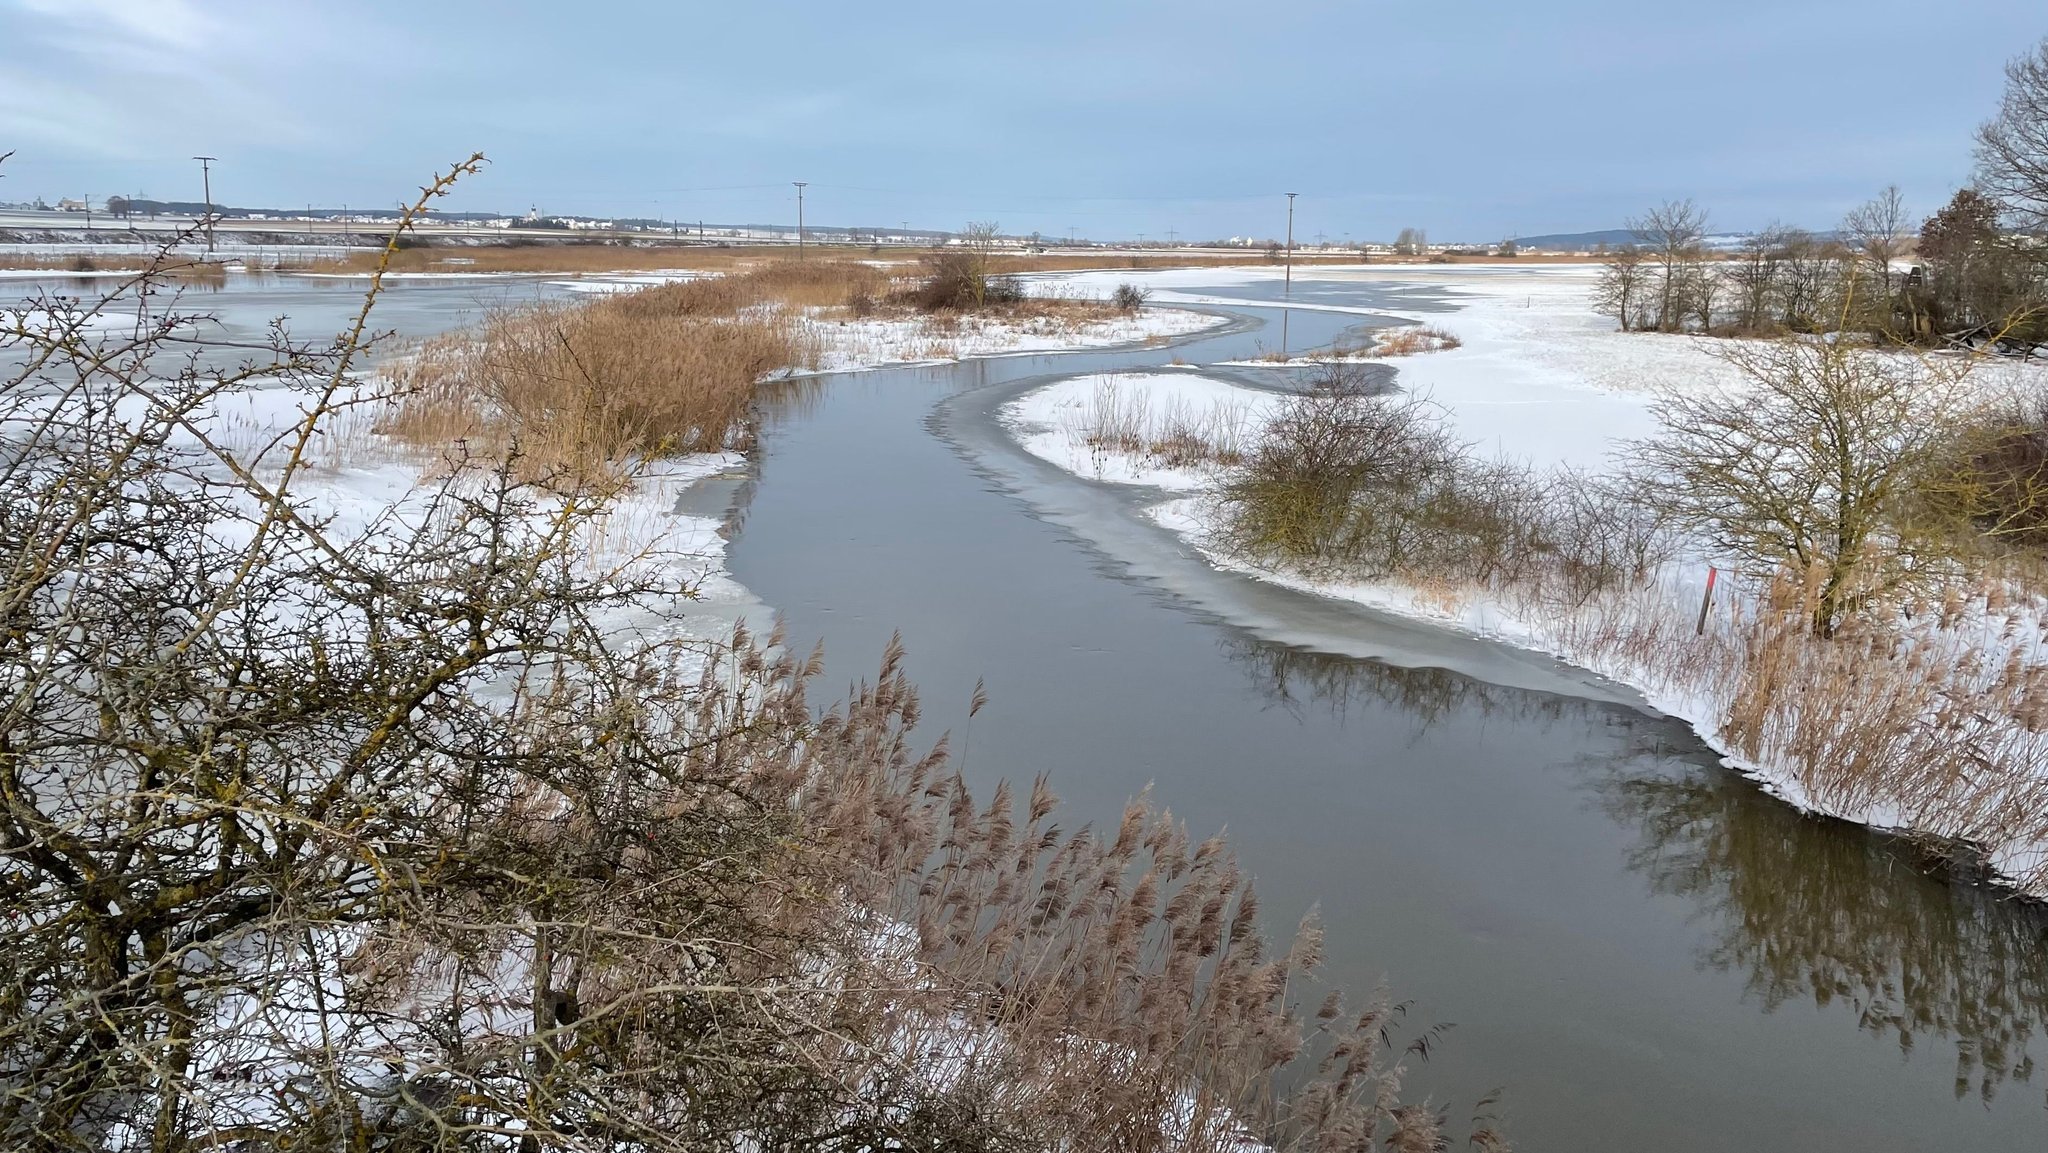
68	205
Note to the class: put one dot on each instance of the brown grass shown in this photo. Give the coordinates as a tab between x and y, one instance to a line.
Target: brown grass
801	284
180	266
1409	341
587	388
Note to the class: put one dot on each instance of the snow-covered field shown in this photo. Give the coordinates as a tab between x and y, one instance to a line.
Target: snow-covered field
852	343
1542	379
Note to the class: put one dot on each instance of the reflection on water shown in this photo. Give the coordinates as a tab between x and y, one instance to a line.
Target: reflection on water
1803	910
1828	919
1294	678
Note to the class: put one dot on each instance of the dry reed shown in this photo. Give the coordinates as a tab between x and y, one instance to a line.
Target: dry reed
589	387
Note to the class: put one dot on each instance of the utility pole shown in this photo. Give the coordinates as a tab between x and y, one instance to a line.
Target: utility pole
799	217
1287	285
206	180
1170	234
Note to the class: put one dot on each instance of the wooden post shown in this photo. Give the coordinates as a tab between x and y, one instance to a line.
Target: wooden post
1706	602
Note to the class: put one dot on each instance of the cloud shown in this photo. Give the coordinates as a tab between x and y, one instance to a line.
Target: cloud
168	25
116	79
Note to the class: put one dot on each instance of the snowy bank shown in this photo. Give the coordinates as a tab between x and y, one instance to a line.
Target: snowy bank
857	343
1543	380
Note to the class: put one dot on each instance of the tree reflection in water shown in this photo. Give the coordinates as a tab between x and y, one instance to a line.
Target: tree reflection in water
1803	908
1815	909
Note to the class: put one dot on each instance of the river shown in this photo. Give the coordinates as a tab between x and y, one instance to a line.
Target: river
1639	947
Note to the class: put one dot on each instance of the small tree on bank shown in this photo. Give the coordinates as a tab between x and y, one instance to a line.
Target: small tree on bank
1673	232
1815	466
1624	285
1879	232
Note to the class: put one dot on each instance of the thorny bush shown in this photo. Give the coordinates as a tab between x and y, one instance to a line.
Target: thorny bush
394	834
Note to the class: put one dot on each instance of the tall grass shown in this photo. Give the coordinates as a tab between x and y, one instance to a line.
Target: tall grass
590	387
1174	432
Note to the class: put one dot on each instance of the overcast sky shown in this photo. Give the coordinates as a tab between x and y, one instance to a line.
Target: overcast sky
1474	119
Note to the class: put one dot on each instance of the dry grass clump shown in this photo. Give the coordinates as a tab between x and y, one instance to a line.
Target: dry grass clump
1926	728
170	265
588	387
791	283
1413	340
71	262
565	258
1172	434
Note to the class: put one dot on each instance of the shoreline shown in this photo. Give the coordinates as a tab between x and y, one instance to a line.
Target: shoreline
1509	387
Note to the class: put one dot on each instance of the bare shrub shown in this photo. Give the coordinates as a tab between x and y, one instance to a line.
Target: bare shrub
962	282
1128	297
1328	467
1993	475
1346	481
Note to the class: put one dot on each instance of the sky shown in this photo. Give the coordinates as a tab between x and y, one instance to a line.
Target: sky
1473	119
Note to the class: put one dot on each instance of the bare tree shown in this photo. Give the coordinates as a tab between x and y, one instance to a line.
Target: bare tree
1702	294
1412	242
1624	285
2012	147
1672	233
1753	278
980	238
1812	466
1879	231
1814	285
